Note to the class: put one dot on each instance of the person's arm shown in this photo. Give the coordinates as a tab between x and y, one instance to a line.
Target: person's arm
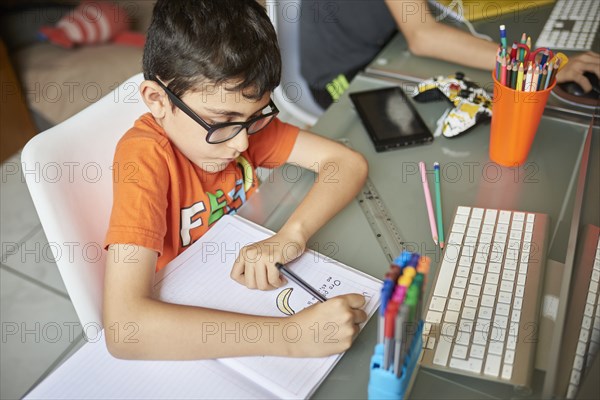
140	327
341	174
428	38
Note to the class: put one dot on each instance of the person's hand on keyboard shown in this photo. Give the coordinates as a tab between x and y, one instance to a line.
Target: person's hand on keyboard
577	66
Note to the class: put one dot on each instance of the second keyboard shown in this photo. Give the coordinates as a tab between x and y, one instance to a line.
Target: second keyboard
482	316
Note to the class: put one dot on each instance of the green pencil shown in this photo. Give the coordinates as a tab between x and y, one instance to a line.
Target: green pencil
438	204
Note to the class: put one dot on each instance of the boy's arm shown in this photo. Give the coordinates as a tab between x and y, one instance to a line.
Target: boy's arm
140	327
428	38
341	174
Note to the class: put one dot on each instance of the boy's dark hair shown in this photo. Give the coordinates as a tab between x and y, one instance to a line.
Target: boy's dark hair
212	41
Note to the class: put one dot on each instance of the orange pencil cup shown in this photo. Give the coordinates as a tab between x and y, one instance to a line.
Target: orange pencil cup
515	119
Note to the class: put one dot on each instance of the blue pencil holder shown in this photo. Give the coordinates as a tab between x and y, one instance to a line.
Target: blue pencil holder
384	384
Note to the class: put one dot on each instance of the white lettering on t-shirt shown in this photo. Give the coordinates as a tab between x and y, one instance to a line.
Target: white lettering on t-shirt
188	223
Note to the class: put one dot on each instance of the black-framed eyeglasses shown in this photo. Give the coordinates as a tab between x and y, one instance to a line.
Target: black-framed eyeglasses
224	131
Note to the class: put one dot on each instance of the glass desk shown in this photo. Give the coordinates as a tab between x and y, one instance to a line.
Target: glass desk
543	184
395	60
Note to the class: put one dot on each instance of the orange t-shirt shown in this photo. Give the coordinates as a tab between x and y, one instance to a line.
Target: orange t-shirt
163	201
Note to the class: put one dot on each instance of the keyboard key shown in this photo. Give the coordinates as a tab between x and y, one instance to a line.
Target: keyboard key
494	268
477	213
485	238
504	297
480	268
469	313
461	210
500	237
434	317
455	238
442	351
496	348
459	229
463	272
465	261
510	265
431	343
471	365
471	301
518	217
521	279
457	293
520	291
489	229
492	278
507	372
474	290
451	317
515	316
492	365
465	326
460	283
488	300
437	303
503	309
502	228
473	231
517	225
444	279
463	338
461	219
508	275
504	217
485	312
454	305
507	286
501	321
509	357
476	279
460	351
490	289
511	342
490	216
477	351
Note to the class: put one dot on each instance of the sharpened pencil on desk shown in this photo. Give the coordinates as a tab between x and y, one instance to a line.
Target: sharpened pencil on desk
300	282
434	233
438	203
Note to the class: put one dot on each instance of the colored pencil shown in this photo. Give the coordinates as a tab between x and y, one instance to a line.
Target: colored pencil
438	203
427	194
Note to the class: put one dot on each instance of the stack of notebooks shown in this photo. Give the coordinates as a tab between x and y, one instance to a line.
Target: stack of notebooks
200	276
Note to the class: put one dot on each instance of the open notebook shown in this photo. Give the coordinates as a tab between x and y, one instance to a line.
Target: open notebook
200	276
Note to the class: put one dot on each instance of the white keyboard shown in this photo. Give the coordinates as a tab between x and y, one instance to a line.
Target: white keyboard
584	315
482	314
572	25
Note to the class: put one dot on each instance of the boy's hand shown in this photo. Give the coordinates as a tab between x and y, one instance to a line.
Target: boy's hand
255	266
327	328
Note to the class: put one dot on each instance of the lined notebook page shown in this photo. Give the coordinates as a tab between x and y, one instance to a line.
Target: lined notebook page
92	373
202	278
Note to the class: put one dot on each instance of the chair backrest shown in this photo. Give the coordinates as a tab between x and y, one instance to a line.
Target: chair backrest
68	170
293	94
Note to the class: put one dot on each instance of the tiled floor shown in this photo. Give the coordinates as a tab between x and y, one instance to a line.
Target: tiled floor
39	326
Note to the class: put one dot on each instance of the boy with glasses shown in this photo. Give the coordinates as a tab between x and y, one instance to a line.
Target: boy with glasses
210	67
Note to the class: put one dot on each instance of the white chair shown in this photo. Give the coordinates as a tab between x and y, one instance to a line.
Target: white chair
69	175
292	95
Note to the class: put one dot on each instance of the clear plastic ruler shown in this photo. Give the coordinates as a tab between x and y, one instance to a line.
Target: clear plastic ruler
385	230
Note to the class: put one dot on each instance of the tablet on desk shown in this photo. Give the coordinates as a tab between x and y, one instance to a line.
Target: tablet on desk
390	118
